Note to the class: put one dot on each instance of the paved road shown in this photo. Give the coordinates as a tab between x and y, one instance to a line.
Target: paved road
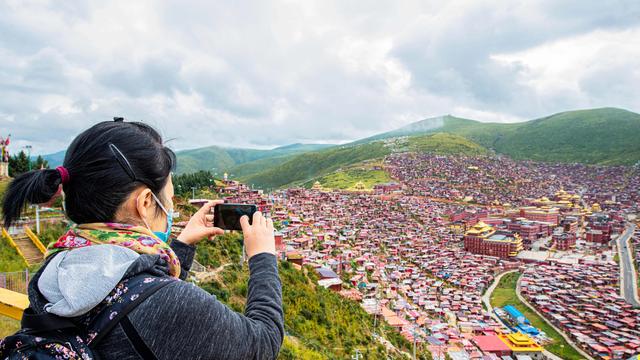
487	302
628	286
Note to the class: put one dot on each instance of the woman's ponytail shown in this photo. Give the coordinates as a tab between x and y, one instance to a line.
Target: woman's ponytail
34	187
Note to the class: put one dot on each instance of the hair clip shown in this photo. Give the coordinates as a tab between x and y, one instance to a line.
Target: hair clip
122	160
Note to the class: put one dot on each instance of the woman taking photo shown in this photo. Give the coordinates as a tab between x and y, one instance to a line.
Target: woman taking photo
116	181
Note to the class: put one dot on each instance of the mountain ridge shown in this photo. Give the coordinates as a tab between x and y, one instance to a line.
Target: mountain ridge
595	136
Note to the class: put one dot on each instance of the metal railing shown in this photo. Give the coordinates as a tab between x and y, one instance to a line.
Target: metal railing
15	281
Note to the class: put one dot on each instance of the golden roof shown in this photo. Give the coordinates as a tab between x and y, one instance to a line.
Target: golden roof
480	228
519	342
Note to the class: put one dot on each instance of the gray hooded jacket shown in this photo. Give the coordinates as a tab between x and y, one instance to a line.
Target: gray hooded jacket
180	321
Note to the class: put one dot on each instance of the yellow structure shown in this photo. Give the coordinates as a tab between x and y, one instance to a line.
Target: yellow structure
481	229
520	343
12	304
317	186
35	240
359	186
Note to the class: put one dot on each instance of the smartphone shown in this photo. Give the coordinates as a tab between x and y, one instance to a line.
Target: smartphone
227	216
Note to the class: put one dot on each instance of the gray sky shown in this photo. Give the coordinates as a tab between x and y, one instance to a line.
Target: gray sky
261	74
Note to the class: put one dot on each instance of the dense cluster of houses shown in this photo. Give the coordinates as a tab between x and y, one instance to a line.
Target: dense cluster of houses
500	180
402	253
584	300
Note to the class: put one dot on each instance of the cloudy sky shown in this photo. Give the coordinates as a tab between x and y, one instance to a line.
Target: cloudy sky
261	74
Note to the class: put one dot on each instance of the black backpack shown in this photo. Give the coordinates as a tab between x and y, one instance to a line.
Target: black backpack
46	336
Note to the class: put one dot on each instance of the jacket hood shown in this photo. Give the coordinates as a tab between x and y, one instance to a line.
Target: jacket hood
74	281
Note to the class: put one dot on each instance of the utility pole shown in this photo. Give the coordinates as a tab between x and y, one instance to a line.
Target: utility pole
193	191
28	147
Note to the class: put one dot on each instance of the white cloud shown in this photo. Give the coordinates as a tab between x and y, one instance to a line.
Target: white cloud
270	73
558	68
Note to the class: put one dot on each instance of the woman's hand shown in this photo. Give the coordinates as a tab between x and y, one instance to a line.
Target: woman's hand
201	225
258	237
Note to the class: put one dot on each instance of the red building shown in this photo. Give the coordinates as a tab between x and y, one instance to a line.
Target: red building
484	240
569	224
596	236
564	240
492	344
542	214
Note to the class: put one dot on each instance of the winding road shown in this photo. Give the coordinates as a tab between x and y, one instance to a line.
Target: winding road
628	276
486	299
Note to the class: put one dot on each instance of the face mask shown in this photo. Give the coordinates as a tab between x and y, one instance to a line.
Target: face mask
164	236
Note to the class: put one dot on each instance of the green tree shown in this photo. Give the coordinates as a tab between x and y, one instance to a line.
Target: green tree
19	163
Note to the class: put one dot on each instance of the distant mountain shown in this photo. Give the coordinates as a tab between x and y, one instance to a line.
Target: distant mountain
304	167
594	136
54	159
446	123
303	147
597	136
220	158
226	159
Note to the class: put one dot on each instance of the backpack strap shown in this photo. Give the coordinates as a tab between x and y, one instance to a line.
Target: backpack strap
44	322
126	297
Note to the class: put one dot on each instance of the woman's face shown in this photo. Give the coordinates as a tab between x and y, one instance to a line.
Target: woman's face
141	208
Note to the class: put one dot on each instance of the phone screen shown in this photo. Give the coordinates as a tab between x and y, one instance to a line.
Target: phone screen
227	216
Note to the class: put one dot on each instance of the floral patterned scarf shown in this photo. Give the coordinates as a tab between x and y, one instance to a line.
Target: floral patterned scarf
136	238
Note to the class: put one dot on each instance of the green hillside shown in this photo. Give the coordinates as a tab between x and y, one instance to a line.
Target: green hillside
256	166
308	166
595	136
225	159
599	136
369	173
445	144
319	323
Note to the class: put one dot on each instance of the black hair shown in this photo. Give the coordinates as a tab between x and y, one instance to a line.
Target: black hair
99	180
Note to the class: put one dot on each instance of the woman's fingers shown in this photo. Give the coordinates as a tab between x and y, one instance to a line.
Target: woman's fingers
257	218
244	223
206	208
214	231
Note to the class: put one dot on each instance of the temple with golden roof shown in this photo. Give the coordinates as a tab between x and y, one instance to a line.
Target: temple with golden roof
483	239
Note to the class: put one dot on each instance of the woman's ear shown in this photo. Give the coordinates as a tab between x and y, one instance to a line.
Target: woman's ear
144	202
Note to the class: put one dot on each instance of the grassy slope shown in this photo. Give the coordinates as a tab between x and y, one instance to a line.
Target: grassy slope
346	179
597	136
320	324
602	136
306	167
10	260
444	144
256	166
224	159
505	294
